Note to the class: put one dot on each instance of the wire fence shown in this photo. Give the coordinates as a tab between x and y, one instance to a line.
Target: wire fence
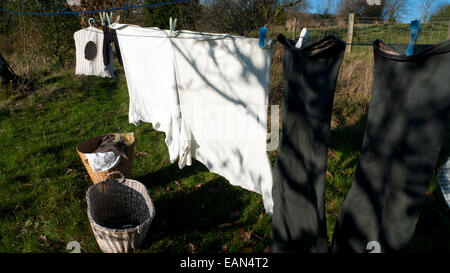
368	29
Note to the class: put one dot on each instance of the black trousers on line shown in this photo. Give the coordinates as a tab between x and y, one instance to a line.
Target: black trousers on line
110	36
310	74
408	116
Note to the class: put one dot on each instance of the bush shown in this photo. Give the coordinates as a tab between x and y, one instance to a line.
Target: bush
186	13
48	38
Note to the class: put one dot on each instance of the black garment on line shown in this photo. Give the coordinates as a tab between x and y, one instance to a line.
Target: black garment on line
110	36
310	74
408	116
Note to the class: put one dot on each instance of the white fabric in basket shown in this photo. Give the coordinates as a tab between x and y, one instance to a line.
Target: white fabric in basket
101	162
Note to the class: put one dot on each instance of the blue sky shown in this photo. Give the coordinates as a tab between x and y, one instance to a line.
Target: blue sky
415	11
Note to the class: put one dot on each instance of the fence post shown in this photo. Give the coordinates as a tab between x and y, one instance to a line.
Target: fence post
351	22
448	30
294	28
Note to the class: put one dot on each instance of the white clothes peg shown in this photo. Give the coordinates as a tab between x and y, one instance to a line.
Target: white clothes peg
303	36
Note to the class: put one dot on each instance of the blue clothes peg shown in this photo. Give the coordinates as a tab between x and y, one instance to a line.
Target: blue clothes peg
415	30
262	36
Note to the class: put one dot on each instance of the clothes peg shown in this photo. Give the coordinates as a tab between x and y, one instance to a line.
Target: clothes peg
262	36
172	26
415	30
303	36
101	14
109	17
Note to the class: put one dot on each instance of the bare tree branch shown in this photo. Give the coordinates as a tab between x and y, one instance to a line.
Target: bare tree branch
426	9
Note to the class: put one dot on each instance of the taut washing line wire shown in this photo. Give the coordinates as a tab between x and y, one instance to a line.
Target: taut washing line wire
95	11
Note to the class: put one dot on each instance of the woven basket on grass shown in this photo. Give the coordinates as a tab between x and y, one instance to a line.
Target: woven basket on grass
124	166
120	212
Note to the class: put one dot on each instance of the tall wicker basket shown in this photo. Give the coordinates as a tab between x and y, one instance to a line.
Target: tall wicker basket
124	166
120	212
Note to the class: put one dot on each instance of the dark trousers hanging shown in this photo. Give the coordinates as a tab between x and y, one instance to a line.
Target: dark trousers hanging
407	120
110	36
310	74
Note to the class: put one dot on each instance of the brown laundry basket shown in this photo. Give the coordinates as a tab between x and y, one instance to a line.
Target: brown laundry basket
120	212
124	166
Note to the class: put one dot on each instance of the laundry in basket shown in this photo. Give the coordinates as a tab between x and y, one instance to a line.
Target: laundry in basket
119	159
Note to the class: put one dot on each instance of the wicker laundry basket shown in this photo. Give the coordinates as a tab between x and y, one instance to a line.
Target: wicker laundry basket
124	166
120	212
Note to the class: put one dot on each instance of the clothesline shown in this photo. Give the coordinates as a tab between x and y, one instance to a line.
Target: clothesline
95	11
213	35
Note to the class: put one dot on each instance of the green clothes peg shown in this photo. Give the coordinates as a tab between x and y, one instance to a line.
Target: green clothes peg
172	26
102	19
109	17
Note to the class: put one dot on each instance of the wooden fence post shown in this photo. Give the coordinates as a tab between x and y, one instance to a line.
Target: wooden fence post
448	30
351	22
294	28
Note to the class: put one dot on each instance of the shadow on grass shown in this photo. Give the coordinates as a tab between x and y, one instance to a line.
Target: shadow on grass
170	174
53	79
348	139
196	210
81	88
102	88
4	113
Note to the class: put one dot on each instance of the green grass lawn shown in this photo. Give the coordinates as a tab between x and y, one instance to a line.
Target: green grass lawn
43	182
